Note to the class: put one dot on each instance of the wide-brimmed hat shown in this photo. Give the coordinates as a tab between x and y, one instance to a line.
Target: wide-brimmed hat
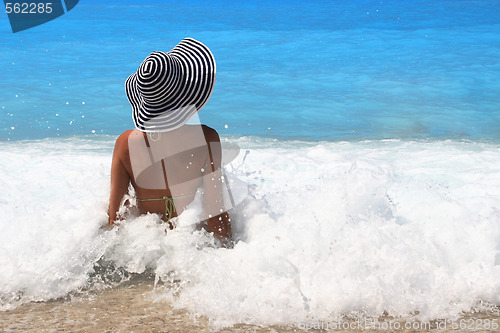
170	87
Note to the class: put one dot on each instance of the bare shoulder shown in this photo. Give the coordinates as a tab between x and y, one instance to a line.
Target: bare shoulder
121	144
211	135
124	136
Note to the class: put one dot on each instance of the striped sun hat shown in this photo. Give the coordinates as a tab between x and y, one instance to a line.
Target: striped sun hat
170	87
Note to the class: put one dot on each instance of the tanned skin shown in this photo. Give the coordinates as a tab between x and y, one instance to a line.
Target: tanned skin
122	176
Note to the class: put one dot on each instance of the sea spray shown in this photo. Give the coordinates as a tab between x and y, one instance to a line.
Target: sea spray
328	229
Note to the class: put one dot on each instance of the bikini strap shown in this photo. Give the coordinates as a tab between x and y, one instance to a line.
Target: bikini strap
211	157
169	203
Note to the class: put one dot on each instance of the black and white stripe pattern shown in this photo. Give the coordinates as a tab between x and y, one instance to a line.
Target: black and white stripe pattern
170	87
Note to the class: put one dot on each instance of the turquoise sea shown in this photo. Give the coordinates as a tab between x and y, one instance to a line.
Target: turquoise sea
370	143
288	69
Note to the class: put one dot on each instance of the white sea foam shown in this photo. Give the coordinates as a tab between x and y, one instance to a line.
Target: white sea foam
329	228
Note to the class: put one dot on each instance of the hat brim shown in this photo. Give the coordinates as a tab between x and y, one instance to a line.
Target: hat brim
182	83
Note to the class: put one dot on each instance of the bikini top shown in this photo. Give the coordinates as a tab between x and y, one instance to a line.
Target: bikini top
170	201
169	205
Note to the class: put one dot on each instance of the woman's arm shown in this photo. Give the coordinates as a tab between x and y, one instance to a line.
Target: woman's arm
218	222
120	178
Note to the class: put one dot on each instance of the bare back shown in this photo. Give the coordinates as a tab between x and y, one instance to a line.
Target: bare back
172	164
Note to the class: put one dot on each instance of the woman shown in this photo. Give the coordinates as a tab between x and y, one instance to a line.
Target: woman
167	161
